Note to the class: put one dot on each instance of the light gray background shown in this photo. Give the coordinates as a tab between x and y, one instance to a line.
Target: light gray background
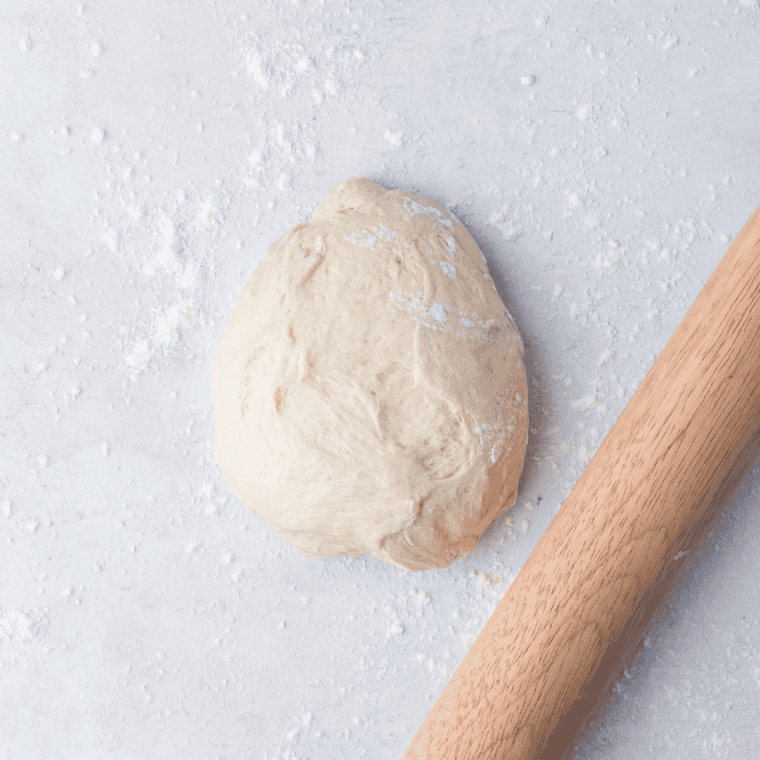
602	154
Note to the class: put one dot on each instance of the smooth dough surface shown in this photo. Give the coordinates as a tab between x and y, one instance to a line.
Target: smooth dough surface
369	390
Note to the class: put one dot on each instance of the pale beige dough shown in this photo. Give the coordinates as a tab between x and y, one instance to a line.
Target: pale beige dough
369	390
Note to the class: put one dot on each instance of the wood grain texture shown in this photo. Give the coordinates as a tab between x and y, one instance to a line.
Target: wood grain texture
653	490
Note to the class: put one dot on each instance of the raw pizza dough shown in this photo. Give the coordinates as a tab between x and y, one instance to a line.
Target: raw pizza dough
369	390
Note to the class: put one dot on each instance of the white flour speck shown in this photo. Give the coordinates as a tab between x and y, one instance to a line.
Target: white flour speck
438	312
256	70
393	138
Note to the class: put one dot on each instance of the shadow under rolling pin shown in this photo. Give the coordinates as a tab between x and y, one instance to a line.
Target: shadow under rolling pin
654	489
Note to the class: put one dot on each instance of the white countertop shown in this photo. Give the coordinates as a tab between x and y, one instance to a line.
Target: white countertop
602	154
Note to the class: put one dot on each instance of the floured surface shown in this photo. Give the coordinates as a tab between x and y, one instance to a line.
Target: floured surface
602	156
369	390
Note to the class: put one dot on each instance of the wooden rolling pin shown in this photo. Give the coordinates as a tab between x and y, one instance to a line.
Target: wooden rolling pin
654	489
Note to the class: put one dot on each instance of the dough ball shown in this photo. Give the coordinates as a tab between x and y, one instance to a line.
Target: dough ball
369	390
